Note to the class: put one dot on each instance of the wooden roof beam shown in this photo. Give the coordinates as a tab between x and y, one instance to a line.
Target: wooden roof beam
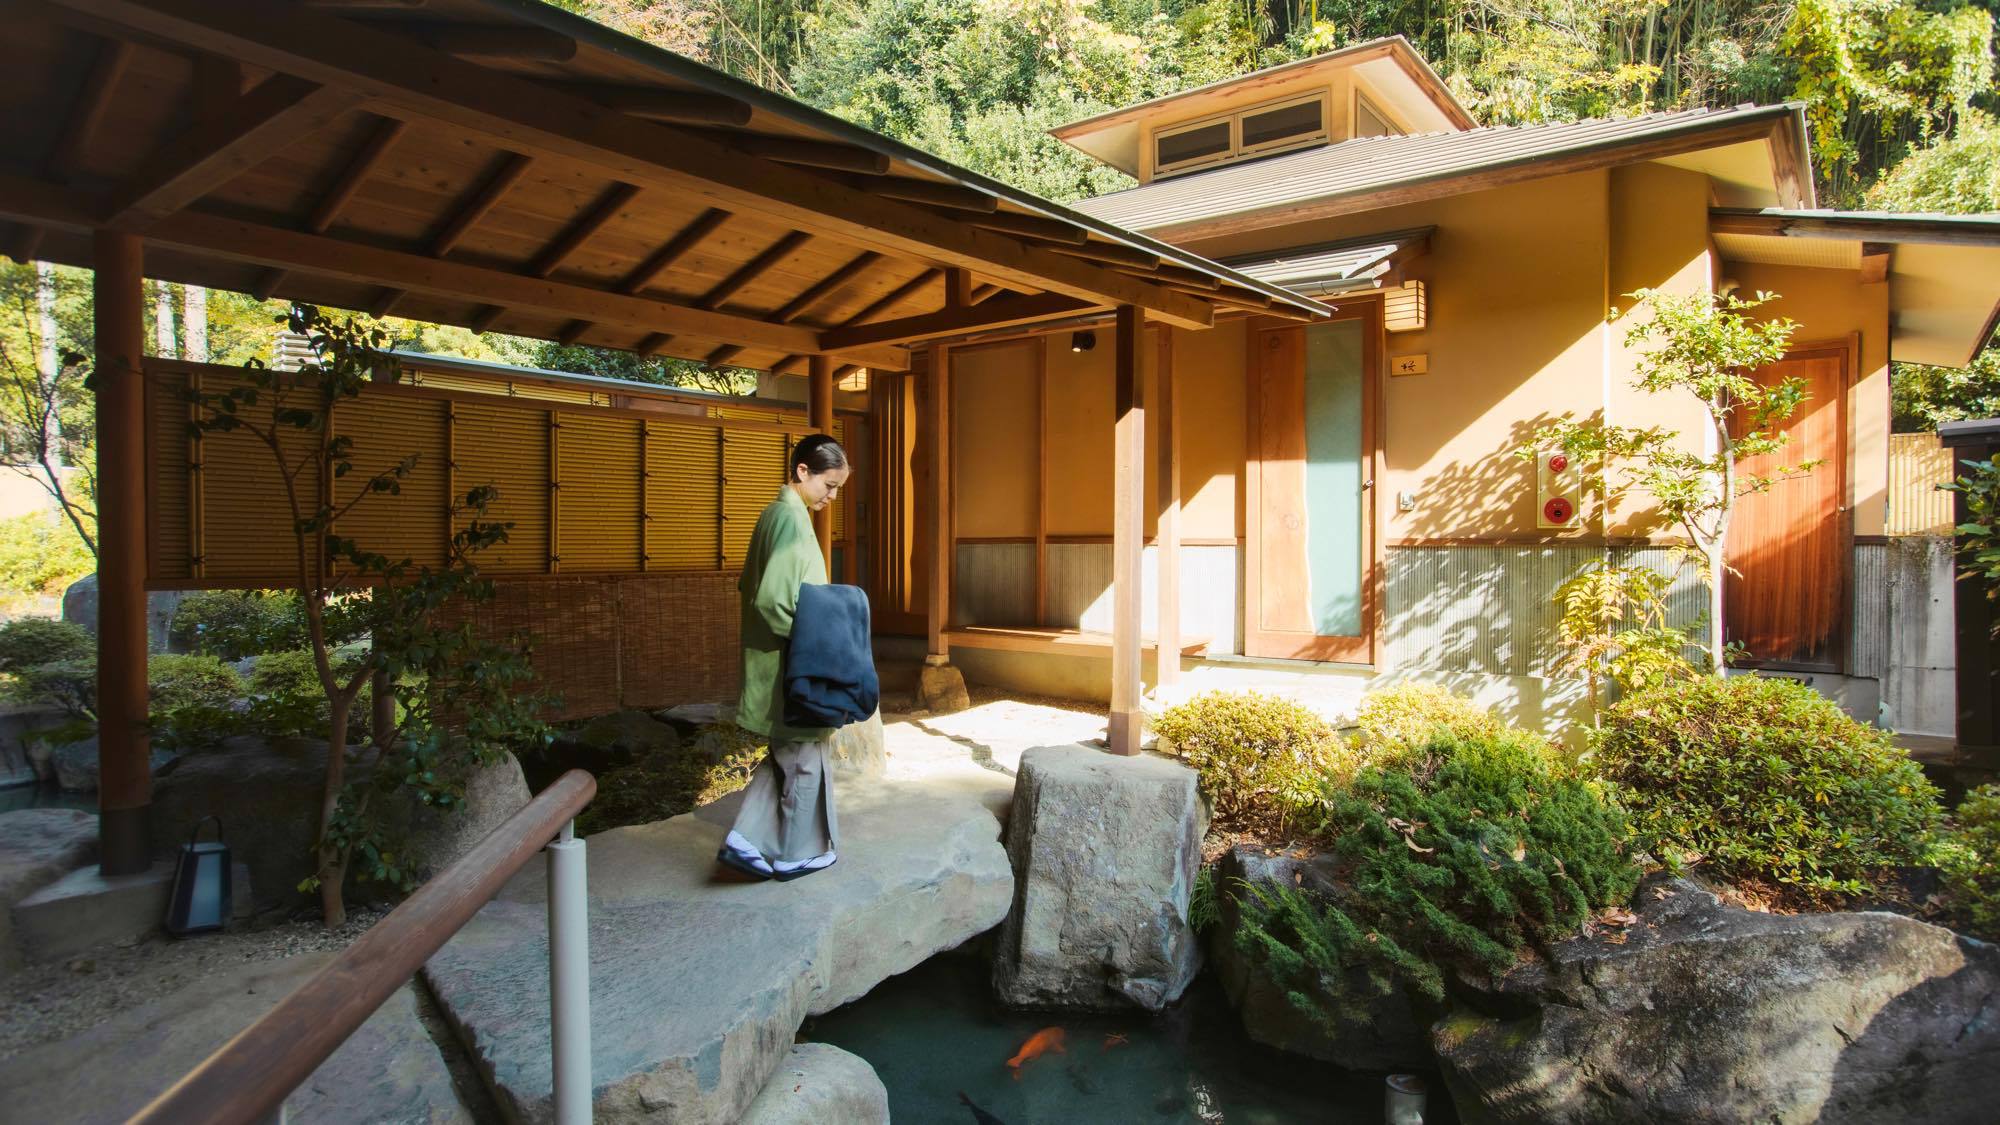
753	269
675	249
340	193
515	111
804	151
254	244
607	207
279	111
483	321
1113	254
894	296
88	113
1031	226
797	306
650	346
722	355
499	181
931	193
683	107
956	320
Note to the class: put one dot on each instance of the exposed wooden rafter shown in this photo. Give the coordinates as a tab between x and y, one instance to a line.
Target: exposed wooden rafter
797	306
675	249
255	244
497	41
684	107
753	269
1031	226
506	172
88	113
956	320
1875	259
894	297
615	199
276	113
341	192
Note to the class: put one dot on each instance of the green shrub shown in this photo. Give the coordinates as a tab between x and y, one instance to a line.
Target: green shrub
233	624
1495	845
40	554
28	641
1972	862
289	701
670	782
176	681
1397	721
1255	754
1765	779
68	684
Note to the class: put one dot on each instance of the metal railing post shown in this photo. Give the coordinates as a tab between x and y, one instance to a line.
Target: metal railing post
569	978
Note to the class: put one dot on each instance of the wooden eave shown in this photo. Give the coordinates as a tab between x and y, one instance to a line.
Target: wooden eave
506	166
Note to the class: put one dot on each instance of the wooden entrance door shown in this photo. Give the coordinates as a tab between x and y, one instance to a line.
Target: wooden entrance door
1309	581
1785	598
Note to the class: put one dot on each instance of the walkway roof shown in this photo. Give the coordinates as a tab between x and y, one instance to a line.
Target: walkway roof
508	166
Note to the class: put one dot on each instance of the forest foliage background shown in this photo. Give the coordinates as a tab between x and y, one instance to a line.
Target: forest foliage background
1900	95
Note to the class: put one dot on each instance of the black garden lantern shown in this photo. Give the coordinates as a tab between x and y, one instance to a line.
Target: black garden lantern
201	895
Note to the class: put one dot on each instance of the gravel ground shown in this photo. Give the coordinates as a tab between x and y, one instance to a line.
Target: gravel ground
47	1002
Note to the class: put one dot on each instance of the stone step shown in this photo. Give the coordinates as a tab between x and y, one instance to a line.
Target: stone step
698	986
85	909
37	847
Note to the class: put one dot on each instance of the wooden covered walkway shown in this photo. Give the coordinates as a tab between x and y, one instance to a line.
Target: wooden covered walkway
506	166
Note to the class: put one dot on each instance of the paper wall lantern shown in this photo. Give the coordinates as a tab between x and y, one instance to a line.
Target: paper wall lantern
1406	308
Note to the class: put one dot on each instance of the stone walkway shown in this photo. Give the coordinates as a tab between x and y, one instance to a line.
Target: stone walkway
698	986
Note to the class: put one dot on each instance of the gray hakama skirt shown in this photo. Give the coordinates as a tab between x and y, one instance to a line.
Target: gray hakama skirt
787	812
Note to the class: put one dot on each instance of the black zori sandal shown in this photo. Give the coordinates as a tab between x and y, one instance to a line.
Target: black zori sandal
740	865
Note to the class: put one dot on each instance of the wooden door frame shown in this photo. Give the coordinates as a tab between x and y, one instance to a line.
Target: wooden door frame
1848	349
1284	646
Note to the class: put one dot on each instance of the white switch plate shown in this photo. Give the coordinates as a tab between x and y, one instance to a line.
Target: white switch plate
1406	501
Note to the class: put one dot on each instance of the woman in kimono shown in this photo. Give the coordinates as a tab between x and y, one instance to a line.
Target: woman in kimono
786	826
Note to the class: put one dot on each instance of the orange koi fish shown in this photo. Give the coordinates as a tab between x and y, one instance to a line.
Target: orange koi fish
1041	1042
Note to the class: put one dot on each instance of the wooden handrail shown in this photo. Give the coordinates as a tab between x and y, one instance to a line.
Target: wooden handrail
250	1077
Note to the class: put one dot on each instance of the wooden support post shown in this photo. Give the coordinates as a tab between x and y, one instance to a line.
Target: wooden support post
1168	428
1041	346
1128	536
937	505
124	750
819	411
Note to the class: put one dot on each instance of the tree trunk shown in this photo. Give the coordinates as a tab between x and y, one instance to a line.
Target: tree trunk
194	323
163	321
332	860
1716	645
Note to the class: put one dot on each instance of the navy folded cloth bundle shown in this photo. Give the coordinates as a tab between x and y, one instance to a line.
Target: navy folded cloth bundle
830	663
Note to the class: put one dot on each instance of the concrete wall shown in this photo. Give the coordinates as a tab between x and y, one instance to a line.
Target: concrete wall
1904	633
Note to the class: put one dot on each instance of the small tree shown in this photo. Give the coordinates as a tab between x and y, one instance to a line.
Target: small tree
444	698
1614	625
1703	345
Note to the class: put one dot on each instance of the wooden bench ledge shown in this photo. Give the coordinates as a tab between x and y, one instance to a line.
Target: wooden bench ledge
1017	639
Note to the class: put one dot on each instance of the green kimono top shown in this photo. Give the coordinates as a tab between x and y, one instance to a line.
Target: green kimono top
784	555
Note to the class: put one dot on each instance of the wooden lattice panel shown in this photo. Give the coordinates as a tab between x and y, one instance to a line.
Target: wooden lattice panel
170	473
246	516
753	469
683	496
599	494
410	523
507	447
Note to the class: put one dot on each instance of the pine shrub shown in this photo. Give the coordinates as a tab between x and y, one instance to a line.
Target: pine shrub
1493	845
26	642
1254	754
1765	779
1972	863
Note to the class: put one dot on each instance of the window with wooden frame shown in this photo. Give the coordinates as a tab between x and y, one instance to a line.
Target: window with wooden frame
1370	121
1253	131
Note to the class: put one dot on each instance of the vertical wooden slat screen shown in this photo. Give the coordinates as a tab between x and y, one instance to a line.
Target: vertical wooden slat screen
753	469
599	466
410	525
683	462
171	455
247	518
507	447
1918	465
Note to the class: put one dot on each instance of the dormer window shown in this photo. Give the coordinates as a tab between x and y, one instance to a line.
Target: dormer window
1370	121
1255	131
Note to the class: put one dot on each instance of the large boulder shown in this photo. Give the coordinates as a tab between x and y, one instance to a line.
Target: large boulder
76	765
1388	1031
37	847
1105	852
436	838
79	605
860	750
699	986
267	794
1701	1012
820	1084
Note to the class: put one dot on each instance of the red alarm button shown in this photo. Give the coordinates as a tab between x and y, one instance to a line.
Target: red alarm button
1558	510
1558	463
